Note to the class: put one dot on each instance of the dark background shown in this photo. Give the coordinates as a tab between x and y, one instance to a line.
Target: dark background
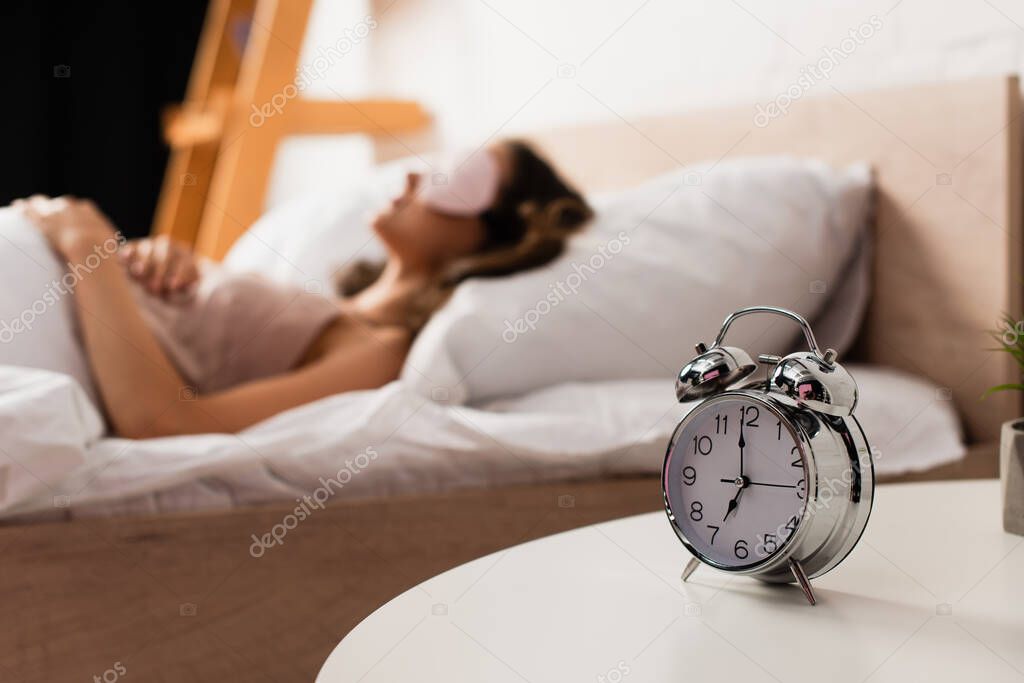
84	86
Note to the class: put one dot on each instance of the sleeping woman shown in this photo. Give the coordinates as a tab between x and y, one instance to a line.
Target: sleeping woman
177	345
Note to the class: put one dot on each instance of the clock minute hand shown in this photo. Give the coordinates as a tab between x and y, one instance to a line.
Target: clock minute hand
741	480
743	444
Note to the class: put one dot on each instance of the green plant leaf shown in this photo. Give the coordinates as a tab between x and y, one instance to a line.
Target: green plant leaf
1003	387
1014	349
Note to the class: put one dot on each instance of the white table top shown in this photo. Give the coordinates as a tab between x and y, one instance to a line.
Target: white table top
934	591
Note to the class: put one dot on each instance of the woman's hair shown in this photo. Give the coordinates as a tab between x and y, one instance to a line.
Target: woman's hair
534	214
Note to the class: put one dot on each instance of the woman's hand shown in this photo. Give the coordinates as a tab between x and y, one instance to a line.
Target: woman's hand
160	264
73	227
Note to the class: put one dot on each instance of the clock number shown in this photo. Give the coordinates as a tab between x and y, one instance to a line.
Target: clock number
713	533
791	525
689	475
740	549
770	542
721	424
702	445
696	510
779	425
800	485
745	416
799	461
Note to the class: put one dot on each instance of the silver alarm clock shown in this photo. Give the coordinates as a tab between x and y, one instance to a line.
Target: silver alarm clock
769	477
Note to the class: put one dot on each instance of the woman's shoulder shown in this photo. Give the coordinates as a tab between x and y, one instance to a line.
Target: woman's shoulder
368	356
386	336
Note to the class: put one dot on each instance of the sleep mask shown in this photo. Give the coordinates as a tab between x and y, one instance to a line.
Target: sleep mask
465	186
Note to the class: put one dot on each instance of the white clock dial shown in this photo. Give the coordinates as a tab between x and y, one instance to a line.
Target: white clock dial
736	481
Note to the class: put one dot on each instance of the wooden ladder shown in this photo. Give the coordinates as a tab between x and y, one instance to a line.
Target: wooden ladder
223	141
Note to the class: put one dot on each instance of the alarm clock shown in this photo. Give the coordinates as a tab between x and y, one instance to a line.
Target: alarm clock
768	477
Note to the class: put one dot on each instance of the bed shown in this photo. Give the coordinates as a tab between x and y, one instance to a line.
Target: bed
187	596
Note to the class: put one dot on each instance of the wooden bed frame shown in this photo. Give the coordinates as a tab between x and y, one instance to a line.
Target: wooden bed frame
178	597
220	161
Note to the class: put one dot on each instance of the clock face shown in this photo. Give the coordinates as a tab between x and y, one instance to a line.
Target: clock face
735	481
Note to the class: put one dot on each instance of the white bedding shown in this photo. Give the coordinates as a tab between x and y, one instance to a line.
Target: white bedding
404	439
392	441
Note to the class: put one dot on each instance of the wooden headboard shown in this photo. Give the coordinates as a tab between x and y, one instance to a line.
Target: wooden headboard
948	249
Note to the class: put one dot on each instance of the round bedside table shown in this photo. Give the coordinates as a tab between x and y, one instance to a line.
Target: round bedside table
934	591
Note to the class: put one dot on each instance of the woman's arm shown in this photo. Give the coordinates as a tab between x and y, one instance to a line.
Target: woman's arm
368	361
144	394
136	380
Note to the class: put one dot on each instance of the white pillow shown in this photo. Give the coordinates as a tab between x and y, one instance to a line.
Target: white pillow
658	270
911	424
307	240
37	320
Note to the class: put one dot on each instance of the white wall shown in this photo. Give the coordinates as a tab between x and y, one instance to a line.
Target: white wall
487	67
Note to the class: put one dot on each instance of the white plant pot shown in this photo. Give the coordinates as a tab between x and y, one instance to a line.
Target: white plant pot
1011	472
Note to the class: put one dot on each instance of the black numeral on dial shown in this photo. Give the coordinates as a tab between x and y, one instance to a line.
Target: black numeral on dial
696	510
740	549
791	525
689	475
702	444
749	416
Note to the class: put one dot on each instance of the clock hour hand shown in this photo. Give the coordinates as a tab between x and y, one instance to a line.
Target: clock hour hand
733	504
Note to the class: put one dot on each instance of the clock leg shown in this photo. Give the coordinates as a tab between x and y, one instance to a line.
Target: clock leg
690	568
801	578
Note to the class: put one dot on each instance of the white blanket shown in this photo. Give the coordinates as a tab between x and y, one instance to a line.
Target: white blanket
389	441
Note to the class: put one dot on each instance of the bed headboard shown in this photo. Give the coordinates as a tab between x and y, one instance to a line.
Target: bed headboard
948	227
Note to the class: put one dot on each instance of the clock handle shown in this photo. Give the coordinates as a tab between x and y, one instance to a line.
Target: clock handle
795	317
